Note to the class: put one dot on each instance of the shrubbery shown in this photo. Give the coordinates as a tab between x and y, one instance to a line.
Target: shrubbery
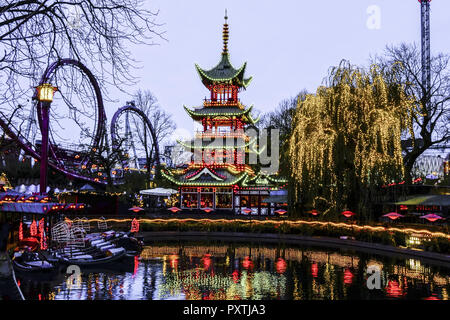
396	238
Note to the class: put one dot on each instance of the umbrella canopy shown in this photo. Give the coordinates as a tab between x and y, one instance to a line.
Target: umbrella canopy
431	217
162	192
247	210
280	211
393	215
207	209
136	209
348	213
314	212
174	209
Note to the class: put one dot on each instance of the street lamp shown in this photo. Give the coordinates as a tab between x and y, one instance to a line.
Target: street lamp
45	94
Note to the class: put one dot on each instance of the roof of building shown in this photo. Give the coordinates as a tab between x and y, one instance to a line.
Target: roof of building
200	113
224	72
205	177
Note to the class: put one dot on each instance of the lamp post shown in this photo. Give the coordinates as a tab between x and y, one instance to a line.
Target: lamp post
45	96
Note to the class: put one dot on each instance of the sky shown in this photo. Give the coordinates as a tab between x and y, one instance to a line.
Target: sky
288	45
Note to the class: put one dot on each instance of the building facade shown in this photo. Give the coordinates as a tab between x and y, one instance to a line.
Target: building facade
219	177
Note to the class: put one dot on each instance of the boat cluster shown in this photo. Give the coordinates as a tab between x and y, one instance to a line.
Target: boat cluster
71	244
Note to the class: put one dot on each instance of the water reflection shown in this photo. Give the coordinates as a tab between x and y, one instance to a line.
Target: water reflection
235	271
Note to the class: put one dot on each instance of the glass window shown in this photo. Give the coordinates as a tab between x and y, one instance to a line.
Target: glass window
206	200
245	201
224	200
189	200
254	201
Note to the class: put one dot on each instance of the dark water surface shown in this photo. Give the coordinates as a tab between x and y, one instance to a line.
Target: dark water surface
233	271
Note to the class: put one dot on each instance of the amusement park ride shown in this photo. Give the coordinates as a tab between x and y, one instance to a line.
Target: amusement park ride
69	162
74	163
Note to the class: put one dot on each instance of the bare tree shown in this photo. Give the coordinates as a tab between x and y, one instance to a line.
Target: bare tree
35	33
162	123
431	122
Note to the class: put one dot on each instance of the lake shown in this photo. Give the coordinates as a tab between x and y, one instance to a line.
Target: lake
184	270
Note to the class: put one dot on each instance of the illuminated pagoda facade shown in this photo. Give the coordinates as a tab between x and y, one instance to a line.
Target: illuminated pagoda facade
219	178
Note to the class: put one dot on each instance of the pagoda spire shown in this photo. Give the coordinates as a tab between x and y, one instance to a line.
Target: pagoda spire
225	34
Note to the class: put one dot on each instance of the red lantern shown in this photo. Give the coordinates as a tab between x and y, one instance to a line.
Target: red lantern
206	261
33	229
314	270
281	265
247	263
348	276
21	231
134	225
314	212
393	289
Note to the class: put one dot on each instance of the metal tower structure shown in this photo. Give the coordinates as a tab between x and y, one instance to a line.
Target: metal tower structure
129	139
426	52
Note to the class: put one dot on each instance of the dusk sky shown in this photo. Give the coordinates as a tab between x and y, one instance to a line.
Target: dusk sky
288	45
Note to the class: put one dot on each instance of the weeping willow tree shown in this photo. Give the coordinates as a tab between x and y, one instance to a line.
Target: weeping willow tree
346	140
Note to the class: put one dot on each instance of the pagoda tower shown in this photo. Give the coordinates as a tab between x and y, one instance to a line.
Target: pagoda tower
219	178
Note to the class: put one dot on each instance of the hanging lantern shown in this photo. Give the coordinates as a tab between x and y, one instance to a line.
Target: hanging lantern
41	226
348	276
314	270
45	92
134	225
33	228
21	231
43	242
281	265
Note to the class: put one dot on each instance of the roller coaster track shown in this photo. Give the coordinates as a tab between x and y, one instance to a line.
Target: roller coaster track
133	109
99	130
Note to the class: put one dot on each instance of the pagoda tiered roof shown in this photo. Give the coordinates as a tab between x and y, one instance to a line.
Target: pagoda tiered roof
224	73
228	111
206	176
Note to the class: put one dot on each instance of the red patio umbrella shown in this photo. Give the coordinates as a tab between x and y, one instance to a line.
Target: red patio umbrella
314	212
247	210
207	209
348	213
174	209
431	217
280	211
136	209
393	215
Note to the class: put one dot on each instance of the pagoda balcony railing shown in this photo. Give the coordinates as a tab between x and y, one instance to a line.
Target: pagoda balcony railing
223	103
219	134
